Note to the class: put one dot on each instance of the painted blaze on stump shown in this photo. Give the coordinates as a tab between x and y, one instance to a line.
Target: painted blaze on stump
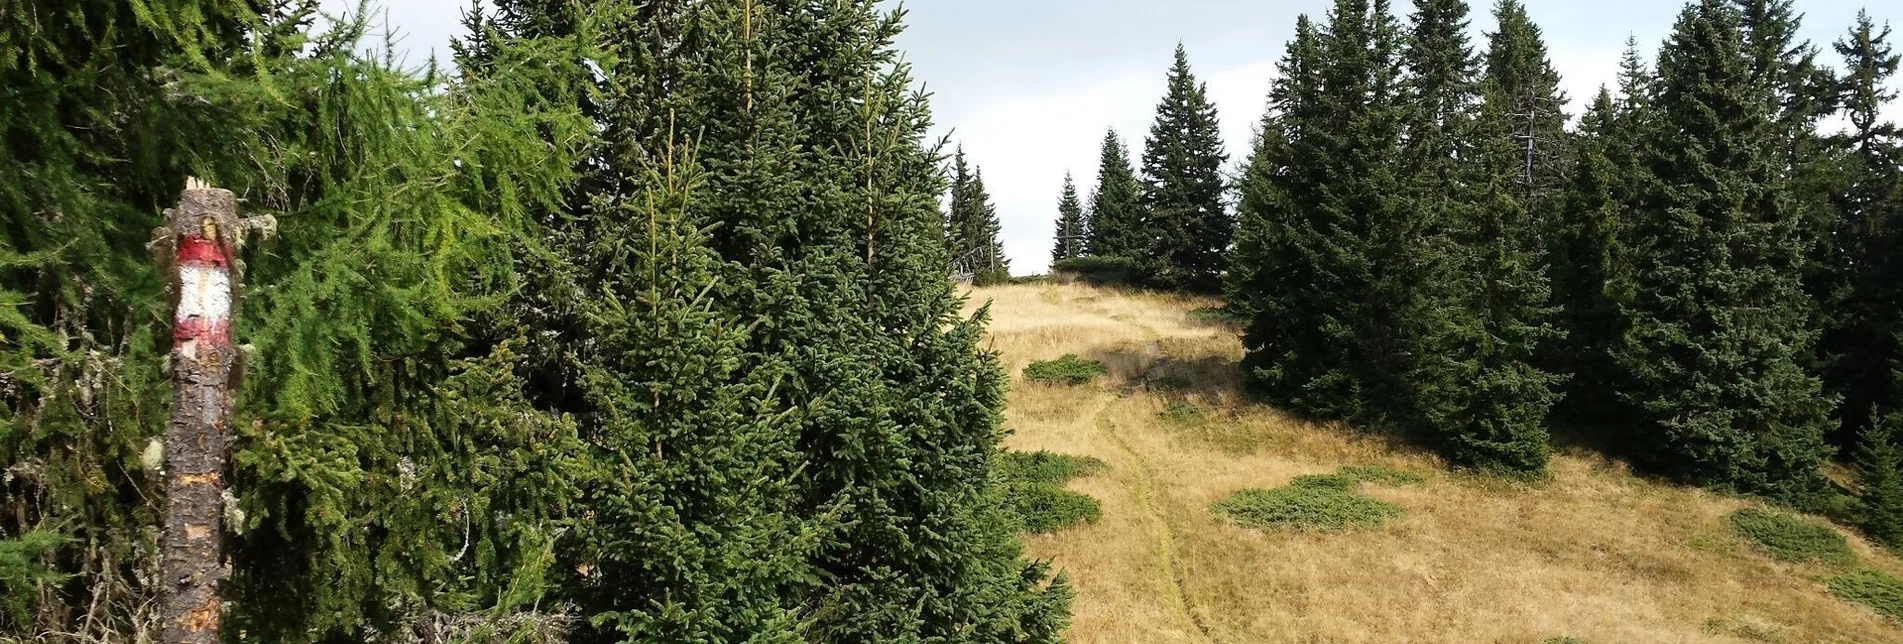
201	236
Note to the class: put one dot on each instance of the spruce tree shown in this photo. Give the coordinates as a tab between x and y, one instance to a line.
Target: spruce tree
1477	312
1071	233
846	414
1858	292
1188	225
1717	323
1879	462
972	225
1117	220
1523	88
1330	253
1586	261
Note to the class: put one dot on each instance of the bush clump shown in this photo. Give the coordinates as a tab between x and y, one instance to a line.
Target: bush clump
1068	370
1790	538
1103	271
1043	509
1874	588
1220	315
1032	487
1048	468
1321	502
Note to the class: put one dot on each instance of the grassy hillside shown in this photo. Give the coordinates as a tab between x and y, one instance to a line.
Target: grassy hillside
1595	553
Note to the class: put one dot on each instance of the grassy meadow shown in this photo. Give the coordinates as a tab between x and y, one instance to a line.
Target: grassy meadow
1593	554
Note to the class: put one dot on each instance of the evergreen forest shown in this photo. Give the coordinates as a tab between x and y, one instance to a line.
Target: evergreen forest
654	320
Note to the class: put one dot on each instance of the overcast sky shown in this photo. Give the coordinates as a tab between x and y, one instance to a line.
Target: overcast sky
1028	87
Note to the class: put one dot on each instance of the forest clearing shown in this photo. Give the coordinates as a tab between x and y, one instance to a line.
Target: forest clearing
1594	553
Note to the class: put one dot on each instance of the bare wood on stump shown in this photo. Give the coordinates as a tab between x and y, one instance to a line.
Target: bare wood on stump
198	244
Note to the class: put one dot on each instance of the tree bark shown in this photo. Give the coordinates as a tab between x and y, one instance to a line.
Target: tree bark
203	230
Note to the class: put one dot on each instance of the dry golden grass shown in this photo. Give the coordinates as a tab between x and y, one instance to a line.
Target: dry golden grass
1594	553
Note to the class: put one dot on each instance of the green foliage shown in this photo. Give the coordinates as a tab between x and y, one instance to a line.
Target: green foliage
1322	502
1563	640
1876	589
1102	271
992	277
1791	538
1188	226
1855	278
1068	370
24	573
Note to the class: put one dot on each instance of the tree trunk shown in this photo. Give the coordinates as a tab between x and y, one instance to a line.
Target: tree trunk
204	230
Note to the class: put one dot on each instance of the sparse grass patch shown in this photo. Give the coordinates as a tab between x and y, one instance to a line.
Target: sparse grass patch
1032	487
1880	591
1324	502
1068	370
1382	475
1791	538
1563	640
1183	411
1745	628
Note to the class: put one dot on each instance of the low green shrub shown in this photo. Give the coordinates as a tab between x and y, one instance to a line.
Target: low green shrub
1323	502
1564	640
1791	538
1314	506
1069	370
1043	467
1031	485
1103	271
991	277
1874	588
1042	508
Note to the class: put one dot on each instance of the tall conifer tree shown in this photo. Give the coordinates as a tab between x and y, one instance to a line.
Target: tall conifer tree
1718	325
1586	261
1188	224
1071	233
1329	275
972	225
1523	88
1858	288
1117	219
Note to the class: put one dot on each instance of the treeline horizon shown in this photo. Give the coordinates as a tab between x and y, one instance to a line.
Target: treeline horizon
1693	274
